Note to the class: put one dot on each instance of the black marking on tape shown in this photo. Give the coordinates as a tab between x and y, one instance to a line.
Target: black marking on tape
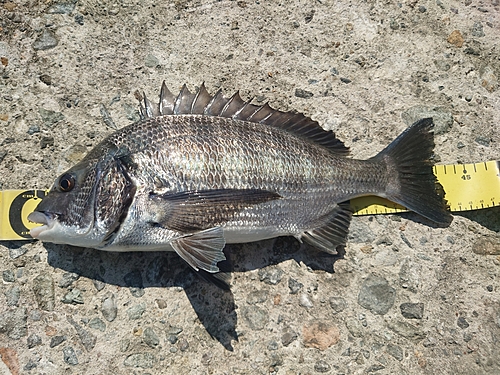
15	210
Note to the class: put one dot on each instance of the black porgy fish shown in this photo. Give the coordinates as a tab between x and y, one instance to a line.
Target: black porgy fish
199	171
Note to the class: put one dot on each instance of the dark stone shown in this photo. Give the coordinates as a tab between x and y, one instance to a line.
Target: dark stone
483	141
14	323
96	323
16	251
477	30
407	330
12	295
150	337
70	356
136	311
256	317
141	360
257	296
270	275
57	340
462	322
99	285
108	307
272	345
375	368
46	142
321	366
67	279
301	93
183	345
30	365
74	297
376	295
88	339
34	340
8	276
395	351
294	286
172	339
62	7
33	129
50	117
79	19
412	310
288	337
338	304
45	78
43	288
45	41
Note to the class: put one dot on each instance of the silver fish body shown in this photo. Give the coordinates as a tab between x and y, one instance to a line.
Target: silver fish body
200	171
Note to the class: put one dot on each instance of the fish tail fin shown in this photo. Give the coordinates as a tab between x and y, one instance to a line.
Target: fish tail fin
416	187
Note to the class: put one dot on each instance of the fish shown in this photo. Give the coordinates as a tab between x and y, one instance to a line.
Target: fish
200	171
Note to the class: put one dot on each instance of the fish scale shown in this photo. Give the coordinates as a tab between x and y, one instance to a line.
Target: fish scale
199	171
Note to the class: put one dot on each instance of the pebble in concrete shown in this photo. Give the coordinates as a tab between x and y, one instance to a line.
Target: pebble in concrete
412	310
108	307
320	335
338	304
45	41
14	323
70	356
34	340
142	360
150	337
376	295
256	317
43	288
136	311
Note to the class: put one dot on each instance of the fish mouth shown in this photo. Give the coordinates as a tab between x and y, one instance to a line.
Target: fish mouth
47	220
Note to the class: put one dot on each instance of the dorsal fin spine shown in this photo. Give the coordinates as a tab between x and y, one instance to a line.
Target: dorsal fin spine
265	118
231	99
147	106
193	104
202	103
165	105
243	107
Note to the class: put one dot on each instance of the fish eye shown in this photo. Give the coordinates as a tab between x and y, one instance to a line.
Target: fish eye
66	182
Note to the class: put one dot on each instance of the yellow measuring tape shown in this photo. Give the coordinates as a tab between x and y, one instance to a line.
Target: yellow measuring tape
467	186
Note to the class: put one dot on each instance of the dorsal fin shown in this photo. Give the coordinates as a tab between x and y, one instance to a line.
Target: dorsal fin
202	103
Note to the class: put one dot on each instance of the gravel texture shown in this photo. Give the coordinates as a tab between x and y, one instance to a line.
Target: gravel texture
405	297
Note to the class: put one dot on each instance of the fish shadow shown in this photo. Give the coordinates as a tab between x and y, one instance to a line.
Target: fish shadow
214	306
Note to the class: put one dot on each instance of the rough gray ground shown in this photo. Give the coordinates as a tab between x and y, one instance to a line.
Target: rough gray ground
406	298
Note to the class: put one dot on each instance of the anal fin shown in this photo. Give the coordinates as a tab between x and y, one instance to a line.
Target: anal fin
202	250
332	229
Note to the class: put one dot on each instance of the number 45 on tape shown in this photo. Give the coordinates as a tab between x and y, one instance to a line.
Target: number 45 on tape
467	186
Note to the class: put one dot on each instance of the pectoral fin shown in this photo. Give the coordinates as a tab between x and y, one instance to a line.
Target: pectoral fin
202	250
192	211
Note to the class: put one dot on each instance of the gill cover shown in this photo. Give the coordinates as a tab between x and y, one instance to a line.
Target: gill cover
87	204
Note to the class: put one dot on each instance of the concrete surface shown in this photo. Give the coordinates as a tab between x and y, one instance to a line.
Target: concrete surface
406	298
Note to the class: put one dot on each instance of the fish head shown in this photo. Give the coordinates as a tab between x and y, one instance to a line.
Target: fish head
86	204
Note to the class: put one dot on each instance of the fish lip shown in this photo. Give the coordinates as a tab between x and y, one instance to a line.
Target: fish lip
47	219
